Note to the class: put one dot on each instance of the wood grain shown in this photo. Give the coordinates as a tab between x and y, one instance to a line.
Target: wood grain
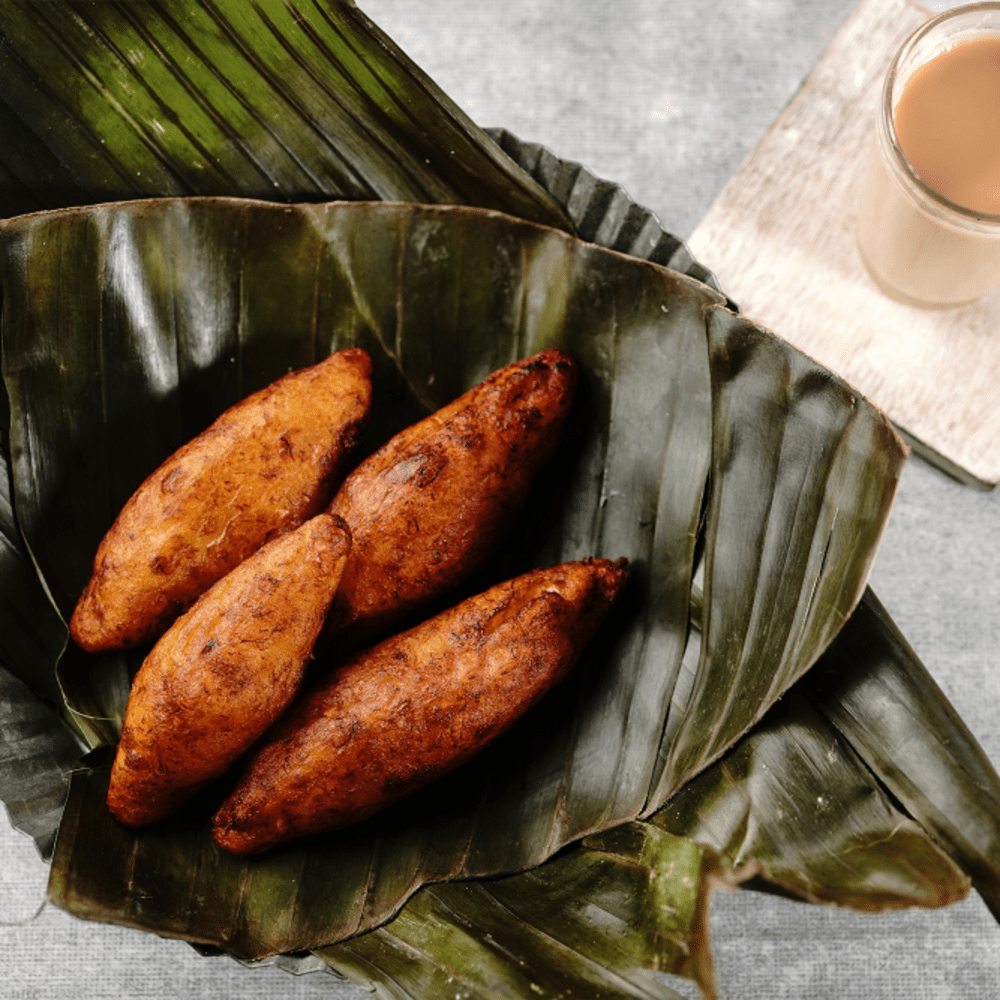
780	238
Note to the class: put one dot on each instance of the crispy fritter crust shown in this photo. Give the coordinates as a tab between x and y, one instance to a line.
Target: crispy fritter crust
429	507
396	716
263	468
224	671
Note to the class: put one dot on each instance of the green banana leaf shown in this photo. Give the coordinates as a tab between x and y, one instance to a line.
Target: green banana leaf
33	635
600	921
794	799
37	753
686	413
868	698
282	101
36	750
905	730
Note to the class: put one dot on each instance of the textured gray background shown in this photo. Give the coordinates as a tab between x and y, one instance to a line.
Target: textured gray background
667	99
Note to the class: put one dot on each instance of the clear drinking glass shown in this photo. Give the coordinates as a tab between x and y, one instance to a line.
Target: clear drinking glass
920	247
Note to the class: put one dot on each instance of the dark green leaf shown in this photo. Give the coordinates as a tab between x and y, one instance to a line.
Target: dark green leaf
794	800
903	727
33	634
36	749
105	101
182	306
598	922
36	753
799	491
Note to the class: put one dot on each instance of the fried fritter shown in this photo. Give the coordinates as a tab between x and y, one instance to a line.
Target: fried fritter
429	507
394	717
224	671
264	467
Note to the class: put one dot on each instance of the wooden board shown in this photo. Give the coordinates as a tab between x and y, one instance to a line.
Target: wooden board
780	238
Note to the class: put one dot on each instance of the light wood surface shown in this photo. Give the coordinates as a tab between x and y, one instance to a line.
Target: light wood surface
780	238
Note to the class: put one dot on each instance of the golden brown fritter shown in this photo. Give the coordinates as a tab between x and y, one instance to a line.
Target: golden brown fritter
266	465
429	507
224	671
394	717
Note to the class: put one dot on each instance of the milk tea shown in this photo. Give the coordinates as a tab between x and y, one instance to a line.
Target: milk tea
929	218
948	124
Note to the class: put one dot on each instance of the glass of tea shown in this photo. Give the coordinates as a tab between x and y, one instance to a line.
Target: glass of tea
929	217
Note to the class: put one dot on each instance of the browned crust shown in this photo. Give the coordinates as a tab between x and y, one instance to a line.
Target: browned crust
264	467
225	671
393	718
429	507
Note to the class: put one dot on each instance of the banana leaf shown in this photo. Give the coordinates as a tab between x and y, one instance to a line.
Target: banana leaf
37	751
869	698
105	101
37	754
687	412
795	799
33	633
601	211
600	921
906	731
